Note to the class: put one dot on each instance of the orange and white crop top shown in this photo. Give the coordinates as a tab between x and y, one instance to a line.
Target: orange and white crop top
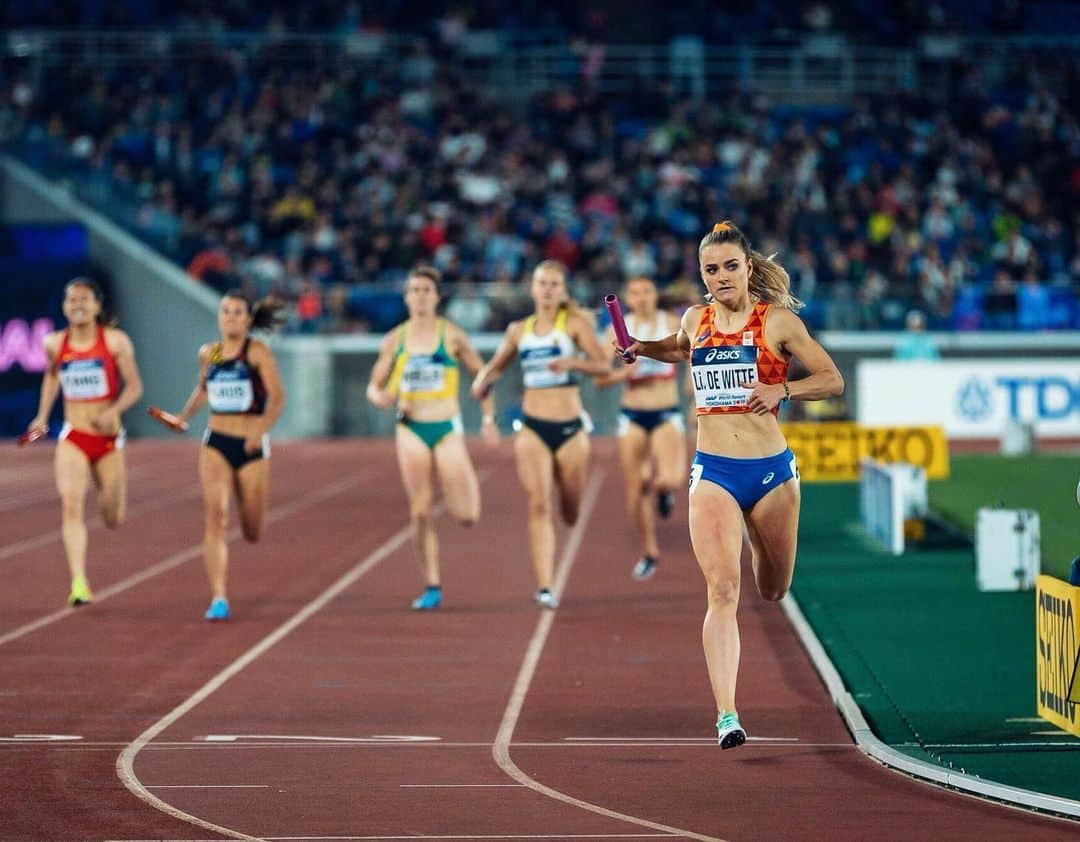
726	366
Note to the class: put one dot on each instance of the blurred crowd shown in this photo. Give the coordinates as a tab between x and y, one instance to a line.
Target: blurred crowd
610	21
322	185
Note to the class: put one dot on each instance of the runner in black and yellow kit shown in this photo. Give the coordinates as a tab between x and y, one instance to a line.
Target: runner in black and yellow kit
418	365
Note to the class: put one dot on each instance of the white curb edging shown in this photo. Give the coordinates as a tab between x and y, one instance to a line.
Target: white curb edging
869	743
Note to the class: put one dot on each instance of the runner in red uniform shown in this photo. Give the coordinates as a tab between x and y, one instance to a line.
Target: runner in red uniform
93	365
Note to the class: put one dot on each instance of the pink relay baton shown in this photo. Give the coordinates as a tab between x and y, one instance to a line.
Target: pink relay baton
618	324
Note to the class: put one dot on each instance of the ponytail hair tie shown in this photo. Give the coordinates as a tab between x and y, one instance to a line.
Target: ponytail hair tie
722	226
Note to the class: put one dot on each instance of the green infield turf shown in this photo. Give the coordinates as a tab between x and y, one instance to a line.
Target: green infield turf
1044	482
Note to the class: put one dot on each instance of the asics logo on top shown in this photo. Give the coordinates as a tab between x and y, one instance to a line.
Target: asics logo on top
765	480
723	354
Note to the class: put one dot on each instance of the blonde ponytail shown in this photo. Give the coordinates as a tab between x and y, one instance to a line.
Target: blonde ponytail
769	282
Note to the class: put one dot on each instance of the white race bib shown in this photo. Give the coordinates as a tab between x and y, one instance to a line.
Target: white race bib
723	376
84	380
423	374
535	371
230	391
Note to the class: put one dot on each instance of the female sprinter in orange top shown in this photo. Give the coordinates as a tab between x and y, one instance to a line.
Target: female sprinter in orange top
419	362
651	428
739	345
87	363
551	446
238	378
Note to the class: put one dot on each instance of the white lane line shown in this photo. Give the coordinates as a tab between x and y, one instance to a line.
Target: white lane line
459	786
1009	745
9	550
670	740
209	786
48	491
178	558
420	836
125	762
10	745
501	749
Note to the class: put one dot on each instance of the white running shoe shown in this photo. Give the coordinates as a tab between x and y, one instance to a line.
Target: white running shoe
546	599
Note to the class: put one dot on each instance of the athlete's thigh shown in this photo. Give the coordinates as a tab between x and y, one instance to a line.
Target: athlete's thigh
252	482
773	525
457	477
110	473
415	462
72	471
634	458
572	463
535	464
668	447
716	530
216	478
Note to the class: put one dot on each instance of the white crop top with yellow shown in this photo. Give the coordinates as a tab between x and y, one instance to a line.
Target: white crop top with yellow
538	352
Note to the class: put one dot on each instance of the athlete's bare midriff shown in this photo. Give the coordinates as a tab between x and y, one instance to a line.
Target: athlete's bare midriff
741	435
439	409
651	394
559	403
228	424
79	415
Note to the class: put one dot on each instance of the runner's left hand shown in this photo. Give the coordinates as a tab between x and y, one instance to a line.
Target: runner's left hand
765	398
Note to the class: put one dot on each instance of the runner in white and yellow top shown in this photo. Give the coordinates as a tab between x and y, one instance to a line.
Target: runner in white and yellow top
418	365
551	445
651	430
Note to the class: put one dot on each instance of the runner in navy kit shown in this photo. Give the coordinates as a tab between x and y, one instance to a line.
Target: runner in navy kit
238	378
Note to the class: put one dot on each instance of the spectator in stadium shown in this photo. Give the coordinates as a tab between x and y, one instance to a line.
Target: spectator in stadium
551	446
915	344
739	344
418	366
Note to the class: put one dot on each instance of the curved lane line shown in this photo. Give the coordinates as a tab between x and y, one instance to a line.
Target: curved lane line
125	762
501	748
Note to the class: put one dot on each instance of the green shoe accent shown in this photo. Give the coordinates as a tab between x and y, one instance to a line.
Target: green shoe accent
80	592
729	733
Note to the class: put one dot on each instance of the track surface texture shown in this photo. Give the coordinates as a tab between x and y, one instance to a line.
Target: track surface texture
326	709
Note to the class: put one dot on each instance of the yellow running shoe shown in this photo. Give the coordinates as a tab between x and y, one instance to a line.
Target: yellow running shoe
80	592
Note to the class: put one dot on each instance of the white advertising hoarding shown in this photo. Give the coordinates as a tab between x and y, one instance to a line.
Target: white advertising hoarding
972	398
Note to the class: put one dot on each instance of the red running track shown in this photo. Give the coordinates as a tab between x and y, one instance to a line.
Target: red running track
327	710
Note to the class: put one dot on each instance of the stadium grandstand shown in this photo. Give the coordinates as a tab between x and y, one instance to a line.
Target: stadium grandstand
307	152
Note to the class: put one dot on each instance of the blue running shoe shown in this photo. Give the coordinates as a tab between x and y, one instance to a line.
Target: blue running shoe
645	568
429	600
218	610
729	733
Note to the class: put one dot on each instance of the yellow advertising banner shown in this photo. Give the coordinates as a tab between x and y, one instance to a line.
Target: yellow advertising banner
1057	633
830	451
